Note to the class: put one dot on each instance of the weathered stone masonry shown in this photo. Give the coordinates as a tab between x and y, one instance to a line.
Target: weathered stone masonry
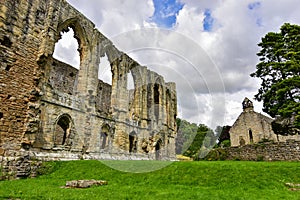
289	150
52	110
262	151
252	127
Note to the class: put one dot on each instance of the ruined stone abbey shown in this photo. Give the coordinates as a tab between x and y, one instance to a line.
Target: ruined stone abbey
55	110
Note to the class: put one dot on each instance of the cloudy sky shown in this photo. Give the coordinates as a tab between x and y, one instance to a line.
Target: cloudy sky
208	47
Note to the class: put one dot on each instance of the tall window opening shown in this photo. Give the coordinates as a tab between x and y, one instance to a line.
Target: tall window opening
250	136
66	49
132	142
130	89
168	107
104	137
104	140
157	150
130	82
156	101
104	72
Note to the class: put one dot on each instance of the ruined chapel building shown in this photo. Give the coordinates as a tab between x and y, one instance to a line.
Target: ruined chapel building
53	109
252	127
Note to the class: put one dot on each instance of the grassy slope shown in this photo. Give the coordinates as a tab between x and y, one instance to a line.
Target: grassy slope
180	180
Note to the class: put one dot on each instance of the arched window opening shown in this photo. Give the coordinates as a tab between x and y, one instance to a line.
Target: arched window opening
104	137
168	109
104	140
241	141
130	82
66	49
156	101
157	150
62	130
130	89
250	136
104	72
132	142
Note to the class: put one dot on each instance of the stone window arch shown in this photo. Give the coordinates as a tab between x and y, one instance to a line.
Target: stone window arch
158	146
64	76
79	33
132	142
66	48
136	93
67	63
105	136
63	132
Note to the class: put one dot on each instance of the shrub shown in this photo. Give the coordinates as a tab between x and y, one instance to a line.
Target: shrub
216	154
260	158
226	143
46	168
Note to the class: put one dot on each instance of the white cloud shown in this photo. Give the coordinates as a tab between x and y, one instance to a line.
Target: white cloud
117	16
231	45
104	71
66	49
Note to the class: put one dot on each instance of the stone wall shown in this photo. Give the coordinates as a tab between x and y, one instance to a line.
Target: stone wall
289	151
20	39
103	98
63	77
16	165
48	106
251	127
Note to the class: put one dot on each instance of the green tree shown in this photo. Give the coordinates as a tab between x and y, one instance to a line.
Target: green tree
279	70
186	132
204	136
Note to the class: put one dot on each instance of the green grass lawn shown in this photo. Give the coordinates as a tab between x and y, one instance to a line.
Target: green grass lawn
180	180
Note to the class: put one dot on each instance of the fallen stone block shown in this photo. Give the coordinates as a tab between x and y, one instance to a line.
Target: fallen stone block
84	183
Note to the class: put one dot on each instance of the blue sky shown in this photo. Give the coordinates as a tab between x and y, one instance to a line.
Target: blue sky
165	12
208	20
254	5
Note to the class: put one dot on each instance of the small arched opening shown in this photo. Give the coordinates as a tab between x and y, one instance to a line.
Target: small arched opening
241	141
62	130
104	136
157	150
132	142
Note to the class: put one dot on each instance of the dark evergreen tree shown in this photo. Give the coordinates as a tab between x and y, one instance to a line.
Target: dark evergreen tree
279	70
224	135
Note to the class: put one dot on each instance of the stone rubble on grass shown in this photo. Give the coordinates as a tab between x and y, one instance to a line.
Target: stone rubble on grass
84	183
293	186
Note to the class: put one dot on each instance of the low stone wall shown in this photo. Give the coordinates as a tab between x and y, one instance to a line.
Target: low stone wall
26	164
283	151
16	165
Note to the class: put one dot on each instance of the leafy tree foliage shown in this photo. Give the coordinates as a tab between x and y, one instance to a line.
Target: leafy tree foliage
279	70
191	137
185	135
